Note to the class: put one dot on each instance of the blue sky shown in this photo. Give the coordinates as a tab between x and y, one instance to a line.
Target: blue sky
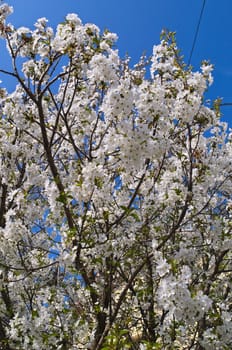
139	23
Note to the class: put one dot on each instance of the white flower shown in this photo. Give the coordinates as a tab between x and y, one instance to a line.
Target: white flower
162	267
73	18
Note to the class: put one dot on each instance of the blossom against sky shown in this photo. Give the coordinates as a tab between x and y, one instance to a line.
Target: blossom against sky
139	24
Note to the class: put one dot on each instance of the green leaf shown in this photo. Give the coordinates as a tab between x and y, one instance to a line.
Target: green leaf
62	198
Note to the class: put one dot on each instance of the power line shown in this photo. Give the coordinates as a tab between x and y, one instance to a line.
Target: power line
197	31
225	104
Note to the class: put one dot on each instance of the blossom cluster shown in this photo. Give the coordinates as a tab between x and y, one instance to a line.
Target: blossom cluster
115	209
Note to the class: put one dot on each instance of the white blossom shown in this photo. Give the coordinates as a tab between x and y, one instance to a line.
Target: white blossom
115	196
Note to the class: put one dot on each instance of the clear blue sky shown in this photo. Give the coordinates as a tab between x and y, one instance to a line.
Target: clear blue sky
139	23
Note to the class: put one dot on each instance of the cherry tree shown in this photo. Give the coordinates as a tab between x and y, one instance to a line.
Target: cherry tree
115	207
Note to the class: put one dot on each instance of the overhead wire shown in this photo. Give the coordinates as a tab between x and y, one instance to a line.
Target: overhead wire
196	32
225	104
